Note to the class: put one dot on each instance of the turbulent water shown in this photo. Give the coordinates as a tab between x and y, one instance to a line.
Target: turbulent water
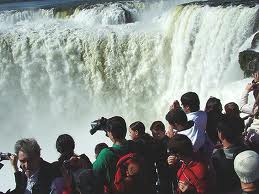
59	71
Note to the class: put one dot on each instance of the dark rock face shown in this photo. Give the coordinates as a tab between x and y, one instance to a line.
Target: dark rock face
249	59
225	3
249	62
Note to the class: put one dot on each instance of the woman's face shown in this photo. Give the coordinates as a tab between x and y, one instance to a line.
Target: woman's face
133	134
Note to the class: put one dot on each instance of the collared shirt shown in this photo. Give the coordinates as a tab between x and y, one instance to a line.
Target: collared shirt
31	182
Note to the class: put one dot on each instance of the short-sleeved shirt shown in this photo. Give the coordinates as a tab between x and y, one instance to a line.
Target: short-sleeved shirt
105	165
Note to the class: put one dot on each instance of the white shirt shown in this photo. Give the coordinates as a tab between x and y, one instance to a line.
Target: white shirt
199	118
197	133
31	182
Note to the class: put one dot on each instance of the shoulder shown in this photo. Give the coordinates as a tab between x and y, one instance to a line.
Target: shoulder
105	153
45	165
219	153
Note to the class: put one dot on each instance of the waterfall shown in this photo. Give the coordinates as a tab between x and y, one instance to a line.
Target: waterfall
59	73
205	42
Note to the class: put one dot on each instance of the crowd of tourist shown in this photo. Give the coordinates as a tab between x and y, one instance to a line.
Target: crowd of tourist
202	152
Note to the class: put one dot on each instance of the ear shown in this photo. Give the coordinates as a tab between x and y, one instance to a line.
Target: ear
188	108
136	132
110	135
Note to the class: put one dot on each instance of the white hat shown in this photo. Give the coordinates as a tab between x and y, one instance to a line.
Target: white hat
246	165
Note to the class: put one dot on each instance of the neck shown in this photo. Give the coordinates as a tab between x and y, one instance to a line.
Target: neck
120	142
248	187
226	144
30	173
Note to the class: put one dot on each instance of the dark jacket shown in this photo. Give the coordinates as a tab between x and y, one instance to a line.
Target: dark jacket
223	163
42	186
166	174
150	150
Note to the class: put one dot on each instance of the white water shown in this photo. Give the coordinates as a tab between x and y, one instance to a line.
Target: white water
57	75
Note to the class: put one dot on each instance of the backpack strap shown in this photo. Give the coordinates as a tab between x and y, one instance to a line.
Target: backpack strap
125	158
115	151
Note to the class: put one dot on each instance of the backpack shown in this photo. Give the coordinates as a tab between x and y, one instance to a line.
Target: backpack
130	174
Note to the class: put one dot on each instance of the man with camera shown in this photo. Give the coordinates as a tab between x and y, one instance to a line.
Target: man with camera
36	175
105	165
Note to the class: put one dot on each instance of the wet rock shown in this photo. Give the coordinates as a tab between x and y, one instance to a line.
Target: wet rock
249	62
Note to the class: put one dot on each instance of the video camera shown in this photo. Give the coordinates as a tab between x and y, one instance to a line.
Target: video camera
98	125
4	156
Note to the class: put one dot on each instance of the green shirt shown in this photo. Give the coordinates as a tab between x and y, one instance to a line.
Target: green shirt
105	165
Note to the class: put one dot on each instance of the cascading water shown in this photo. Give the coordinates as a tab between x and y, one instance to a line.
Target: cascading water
59	73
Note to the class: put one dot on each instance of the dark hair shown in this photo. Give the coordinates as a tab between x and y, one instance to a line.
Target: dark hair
232	109
180	144
255	93
87	161
117	126
157	126
138	126
28	145
99	147
231	128
65	144
213	105
176	116
191	99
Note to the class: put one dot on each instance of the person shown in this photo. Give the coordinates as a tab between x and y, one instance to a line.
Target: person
232	109
157	129
37	175
251	135
193	173
65	145
148	148
191	106
245	107
246	165
99	147
223	158
104	166
213	109
178	122
137	130
166	175
69	165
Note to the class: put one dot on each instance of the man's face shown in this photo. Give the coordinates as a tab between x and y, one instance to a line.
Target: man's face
158	134
29	164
